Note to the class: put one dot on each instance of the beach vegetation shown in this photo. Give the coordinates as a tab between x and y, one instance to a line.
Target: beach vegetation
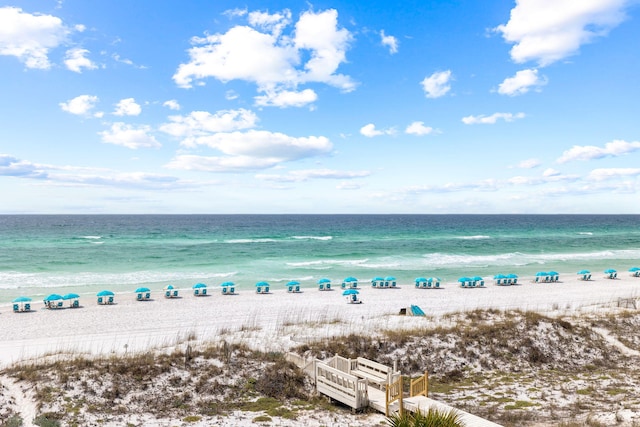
432	418
13	421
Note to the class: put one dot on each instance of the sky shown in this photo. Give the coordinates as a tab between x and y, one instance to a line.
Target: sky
222	107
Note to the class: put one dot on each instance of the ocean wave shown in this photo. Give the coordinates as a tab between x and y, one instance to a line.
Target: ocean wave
327	262
91	237
262	240
585	233
478	237
312	237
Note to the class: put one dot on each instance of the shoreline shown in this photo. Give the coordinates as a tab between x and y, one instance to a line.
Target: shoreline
277	321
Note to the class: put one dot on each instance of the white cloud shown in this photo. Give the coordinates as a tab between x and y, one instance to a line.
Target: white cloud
550	172
30	37
172	104
590	152
75	60
529	164
129	136
307	174
521	83
370	131
437	84
273	61
547	31
80	105
418	129
492	119
12	166
203	123
286	98
127	107
273	23
611	173
251	150
389	41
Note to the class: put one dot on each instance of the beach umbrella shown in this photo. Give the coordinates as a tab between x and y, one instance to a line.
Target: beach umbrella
476	278
324	280
634	269
105	294
141	290
53	297
227	284
350	279
168	287
199	285
350	292
293	283
390	278
511	276
464	279
584	272
70	296
433	279
375	279
421	279
552	273
499	276
261	284
542	273
611	270
22	299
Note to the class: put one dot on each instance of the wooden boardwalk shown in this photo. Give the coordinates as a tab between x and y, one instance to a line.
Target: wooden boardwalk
359	383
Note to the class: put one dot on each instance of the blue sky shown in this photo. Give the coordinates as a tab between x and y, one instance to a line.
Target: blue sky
324	107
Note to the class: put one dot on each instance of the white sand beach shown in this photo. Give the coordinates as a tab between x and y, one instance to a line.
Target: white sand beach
275	321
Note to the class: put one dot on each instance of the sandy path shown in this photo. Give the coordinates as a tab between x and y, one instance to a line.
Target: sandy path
23	399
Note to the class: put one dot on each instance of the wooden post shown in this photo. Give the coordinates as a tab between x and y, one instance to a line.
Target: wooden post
386	400
426	383
400	399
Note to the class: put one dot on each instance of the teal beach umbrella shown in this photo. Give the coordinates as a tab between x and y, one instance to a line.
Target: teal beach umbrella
22	299
350	292
105	293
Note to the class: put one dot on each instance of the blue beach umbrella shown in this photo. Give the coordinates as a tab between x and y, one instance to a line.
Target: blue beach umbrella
227	284
70	296
583	272
105	293
433	279
499	276
552	273
421	279
464	279
293	283
22	299
350	292
376	279
324	280
390	278
611	270
169	287
142	290
542	273
53	297
476	278
261	284
512	276
634	269
199	285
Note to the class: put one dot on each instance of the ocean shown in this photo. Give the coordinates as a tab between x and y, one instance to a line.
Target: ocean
43	254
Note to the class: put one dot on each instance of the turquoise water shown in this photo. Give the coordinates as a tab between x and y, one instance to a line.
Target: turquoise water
83	254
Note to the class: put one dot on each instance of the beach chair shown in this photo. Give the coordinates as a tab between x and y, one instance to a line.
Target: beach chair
75	304
167	294
481	284
16	308
139	297
436	284
321	286
100	300
393	284
225	291
328	286
353	299
26	307
110	300
515	282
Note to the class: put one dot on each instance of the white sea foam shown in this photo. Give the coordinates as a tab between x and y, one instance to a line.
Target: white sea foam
478	237
91	237
327	262
312	237
264	240
586	233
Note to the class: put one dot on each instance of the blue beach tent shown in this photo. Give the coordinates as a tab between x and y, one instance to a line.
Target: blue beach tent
105	297
262	287
53	301
228	288
143	294
199	289
324	284
73	300
293	286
